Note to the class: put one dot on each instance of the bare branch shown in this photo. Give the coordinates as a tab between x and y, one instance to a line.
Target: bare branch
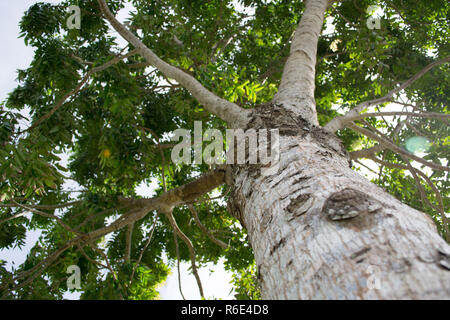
367	167
390	145
51	216
177	251
191	249
415	171
339	122
422	192
366	153
204	229
428	115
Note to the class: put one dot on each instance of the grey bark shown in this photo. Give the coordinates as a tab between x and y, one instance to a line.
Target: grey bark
319	230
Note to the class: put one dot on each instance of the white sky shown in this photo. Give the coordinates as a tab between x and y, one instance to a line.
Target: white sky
15	55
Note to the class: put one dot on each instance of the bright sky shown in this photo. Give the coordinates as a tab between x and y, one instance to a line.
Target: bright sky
15	55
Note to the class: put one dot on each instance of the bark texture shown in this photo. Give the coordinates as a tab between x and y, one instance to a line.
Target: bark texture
296	90
319	230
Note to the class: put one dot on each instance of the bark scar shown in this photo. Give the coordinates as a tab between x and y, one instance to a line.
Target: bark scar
300	205
349	203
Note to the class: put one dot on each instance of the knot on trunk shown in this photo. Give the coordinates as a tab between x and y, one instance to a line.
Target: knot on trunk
349	203
275	116
300	205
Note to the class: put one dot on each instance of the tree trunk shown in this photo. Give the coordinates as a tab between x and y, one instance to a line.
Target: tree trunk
319	230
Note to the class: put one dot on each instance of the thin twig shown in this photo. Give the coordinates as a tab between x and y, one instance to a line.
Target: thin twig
394	147
177	252
339	122
428	115
204	229
188	242
128	240
145	248
61	102
51	216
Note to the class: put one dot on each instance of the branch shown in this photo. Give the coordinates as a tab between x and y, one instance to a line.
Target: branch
108	264
226	110
296	90
183	194
366	153
40	267
188	242
140	208
41	206
145	247
204	229
177	251
98	214
80	85
422	192
345	19
93	261
390	145
222	45
428	115
413	171
138	65
81	61
48	215
129	238
339	122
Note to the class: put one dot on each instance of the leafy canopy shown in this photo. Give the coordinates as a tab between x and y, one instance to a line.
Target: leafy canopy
111	127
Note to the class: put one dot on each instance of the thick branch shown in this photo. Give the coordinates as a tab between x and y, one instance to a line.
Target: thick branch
140	208
226	110
296	90
183	194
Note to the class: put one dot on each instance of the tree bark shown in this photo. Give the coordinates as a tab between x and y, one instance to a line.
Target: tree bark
296	90
319	230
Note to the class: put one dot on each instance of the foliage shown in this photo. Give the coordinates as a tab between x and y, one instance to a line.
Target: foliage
112	126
